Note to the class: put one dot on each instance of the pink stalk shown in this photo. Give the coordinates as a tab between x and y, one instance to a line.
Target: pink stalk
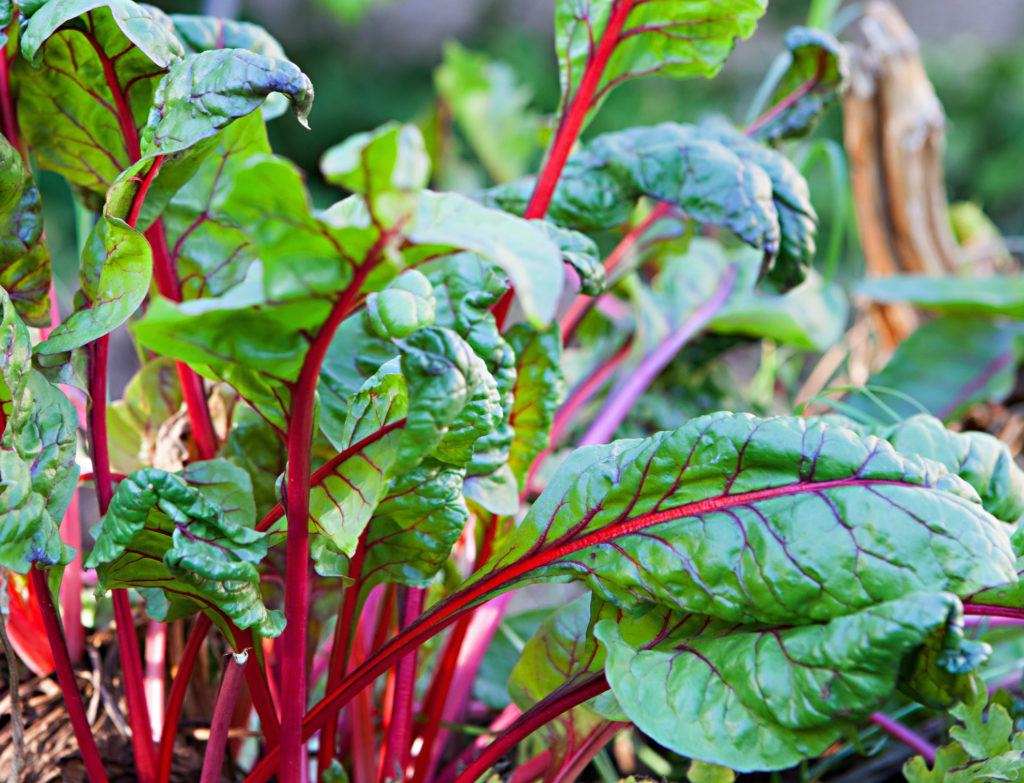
986	610
533	769
396	755
66	678
479	633
622	401
176	698
505	718
213	760
910	738
156	653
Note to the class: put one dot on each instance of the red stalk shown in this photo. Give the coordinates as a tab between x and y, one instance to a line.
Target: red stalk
985	610
296	604
582	303
66	678
131	662
342	644
176	697
8	117
443	614
213	760
572	121
396	747
534	718
573	766
910	738
569	127
259	688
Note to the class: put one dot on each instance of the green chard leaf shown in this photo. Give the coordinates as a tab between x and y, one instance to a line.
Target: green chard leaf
253	445
538	392
758	520
415	526
37	454
711	172
188	543
815	78
87	82
763	698
681	40
580	252
980	297
24	257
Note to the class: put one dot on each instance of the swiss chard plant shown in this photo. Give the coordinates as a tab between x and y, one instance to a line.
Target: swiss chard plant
357	429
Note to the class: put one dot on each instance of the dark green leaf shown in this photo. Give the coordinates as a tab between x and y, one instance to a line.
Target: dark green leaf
816	77
24	257
759	520
680	40
765	698
580	252
946	382
985	297
492	110
538	392
192	537
37	454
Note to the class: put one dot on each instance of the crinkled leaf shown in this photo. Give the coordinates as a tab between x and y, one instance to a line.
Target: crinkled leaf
764	698
117	268
205	92
491	108
37	454
987	297
446	222
133	422
680	40
415	526
815	78
798	222
758	520
580	252
93	72
342	502
538	392
24	257
946	382
192	537
403	307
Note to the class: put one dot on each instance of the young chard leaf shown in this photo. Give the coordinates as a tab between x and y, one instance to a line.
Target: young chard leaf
24	257
37	454
133	422
816	77
191	537
637	38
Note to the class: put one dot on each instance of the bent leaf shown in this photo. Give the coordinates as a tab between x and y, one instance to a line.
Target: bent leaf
816	76
24	257
765	698
37	454
190	536
538	392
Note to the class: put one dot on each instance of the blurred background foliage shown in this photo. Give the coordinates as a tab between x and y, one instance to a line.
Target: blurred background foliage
376	60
